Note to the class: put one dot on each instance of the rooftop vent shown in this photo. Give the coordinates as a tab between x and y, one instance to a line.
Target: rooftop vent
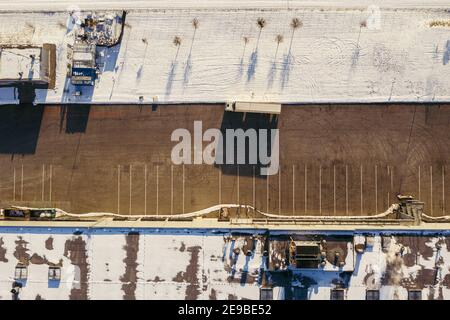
307	254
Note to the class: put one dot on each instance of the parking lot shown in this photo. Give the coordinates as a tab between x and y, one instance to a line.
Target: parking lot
334	159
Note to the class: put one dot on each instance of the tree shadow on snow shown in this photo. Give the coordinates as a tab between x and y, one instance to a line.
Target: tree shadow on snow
252	65
286	68
446	57
253	60
171	74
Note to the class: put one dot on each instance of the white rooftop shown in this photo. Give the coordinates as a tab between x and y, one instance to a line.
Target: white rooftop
18	64
124	263
346	51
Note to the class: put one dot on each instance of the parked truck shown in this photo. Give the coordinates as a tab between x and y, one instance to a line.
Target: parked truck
253	107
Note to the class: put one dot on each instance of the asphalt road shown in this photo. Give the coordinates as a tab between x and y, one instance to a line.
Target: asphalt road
335	159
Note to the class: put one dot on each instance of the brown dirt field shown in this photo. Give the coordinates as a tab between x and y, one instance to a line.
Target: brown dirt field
82	159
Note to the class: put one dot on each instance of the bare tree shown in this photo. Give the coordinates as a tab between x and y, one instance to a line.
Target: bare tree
195	23
296	23
246	41
362	24
261	22
177	41
188	66
145	41
279	39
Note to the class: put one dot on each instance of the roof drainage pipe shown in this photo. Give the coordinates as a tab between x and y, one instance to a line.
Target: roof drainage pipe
206	211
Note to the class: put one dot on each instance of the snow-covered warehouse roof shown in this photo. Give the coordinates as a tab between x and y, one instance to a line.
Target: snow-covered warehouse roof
168	263
340	54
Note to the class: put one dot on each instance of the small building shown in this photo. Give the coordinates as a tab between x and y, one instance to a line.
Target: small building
83	68
28	65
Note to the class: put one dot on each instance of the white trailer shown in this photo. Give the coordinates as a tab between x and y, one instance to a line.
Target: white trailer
254	107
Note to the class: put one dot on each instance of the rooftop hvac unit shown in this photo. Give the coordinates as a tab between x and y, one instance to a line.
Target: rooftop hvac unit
307	254
83	64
